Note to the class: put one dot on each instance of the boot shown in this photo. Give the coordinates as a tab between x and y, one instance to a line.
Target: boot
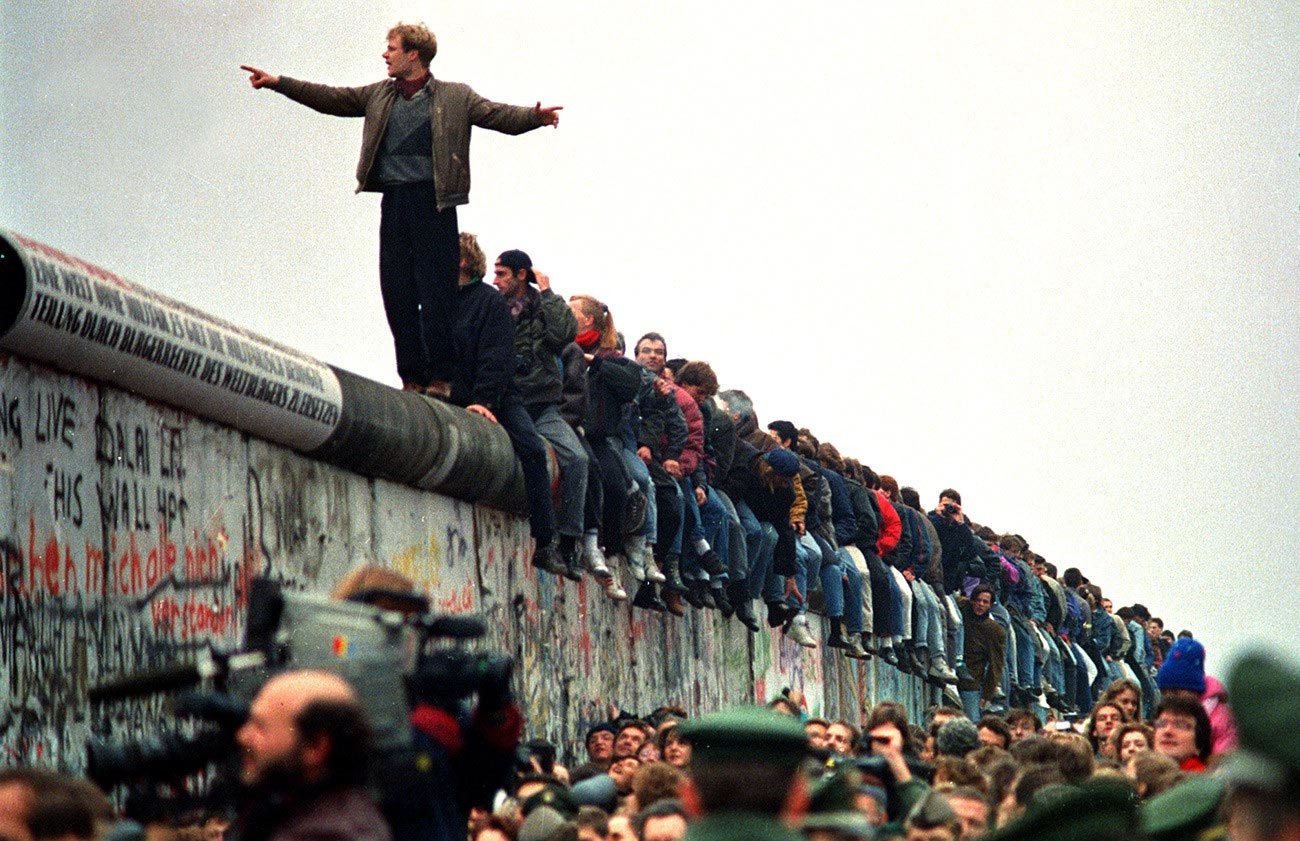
635	511
694	593
712	564
940	671
614	590
723	602
886	652
853	648
919	664
799	631
673	601
835	639
547	558
738	594
572	559
951	695
671	564
706	597
777	614
648	599
964	675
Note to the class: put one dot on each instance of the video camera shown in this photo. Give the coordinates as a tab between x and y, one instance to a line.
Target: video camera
390	657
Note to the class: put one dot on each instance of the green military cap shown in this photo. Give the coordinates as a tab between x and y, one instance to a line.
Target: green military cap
558	798
832	806
755	734
1187	812
1098	810
1265	696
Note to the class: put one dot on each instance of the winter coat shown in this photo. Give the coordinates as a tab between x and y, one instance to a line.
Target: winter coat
612	385
483	336
543	327
454	109
573	396
891	527
1223	728
658	424
961	551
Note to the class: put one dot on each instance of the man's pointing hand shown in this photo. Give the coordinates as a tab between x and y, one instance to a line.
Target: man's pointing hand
262	79
550	115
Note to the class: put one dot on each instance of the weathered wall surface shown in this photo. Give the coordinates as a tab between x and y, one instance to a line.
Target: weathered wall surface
129	531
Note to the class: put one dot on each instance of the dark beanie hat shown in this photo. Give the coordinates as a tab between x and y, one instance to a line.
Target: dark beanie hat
1184	667
603	727
516	260
783	462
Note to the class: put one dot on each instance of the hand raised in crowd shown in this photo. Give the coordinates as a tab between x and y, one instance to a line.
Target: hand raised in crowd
260	78
543	280
481	411
799	528
673	468
550	114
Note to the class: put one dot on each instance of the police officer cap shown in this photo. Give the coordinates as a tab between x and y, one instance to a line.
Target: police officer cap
1187	812
1265	697
832	807
556	797
755	734
1098	810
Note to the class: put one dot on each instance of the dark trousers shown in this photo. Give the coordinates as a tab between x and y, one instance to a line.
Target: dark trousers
614	482
884	602
531	450
419	261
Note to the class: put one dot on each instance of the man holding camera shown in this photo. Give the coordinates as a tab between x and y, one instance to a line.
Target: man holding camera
305	754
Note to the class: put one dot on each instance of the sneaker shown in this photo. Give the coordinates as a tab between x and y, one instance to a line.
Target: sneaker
547	558
637	564
939	671
836	639
614	590
951	695
652	571
798	631
595	562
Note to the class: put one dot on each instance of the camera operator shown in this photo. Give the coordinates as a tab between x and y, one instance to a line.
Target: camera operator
305	755
461	757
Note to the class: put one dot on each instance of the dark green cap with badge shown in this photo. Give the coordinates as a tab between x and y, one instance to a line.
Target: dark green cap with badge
1098	810
1187	812
1265	697
558	798
753	734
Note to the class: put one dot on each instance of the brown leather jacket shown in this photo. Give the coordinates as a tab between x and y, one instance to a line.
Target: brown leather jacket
454	108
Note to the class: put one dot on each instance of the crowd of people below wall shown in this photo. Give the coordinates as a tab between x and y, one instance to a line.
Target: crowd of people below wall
666	476
307	770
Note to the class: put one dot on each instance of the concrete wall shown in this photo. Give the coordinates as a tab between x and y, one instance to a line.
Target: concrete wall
129	531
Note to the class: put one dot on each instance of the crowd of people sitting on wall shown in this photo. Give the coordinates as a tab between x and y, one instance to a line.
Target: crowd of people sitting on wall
665	474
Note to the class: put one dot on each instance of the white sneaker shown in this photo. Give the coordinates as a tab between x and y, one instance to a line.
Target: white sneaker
614	590
800	632
652	572
594	560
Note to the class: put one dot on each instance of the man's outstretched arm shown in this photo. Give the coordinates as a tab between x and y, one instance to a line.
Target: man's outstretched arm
338	102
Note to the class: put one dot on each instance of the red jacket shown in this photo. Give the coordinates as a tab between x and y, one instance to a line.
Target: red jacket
891	526
693	453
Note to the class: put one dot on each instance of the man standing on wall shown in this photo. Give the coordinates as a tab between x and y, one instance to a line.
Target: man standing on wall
415	150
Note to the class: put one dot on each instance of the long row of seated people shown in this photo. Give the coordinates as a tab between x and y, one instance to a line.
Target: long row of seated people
663	473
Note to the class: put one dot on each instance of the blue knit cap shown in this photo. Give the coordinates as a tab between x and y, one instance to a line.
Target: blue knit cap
1184	667
782	462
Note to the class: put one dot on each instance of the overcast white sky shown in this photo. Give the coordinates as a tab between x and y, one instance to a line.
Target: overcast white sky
1044	255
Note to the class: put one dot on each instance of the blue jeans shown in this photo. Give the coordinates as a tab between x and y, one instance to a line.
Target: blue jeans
737	555
956	631
760	543
970	703
574	465
851	584
1024	654
641	475
929	620
1003	618
531	450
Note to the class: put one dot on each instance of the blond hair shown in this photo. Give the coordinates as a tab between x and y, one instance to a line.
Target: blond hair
472	254
601	319
416	36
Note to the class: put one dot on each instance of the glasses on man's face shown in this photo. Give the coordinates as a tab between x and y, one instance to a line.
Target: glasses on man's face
1174	724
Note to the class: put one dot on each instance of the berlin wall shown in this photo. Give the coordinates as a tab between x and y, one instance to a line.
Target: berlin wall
130	530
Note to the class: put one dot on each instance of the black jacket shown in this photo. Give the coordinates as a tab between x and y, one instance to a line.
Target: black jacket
483	337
